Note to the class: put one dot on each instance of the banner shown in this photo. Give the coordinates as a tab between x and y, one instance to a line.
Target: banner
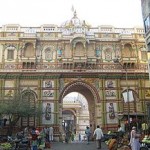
128	96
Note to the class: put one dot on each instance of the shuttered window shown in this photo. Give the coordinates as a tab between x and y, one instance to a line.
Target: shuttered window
10	54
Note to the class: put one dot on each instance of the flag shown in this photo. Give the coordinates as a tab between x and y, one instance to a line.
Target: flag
128	96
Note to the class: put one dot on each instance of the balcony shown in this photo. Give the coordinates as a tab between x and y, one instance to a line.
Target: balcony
60	68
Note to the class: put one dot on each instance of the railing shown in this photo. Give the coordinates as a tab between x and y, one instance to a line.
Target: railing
59	67
53	28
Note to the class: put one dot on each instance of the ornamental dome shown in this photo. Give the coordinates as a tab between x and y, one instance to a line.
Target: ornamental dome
75	22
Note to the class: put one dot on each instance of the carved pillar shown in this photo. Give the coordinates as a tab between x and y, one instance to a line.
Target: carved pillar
3	53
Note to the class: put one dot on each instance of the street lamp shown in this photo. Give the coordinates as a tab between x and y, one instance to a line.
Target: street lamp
126	75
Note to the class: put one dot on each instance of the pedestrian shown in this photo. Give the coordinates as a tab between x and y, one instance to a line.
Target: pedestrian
88	134
72	136
120	131
26	132
41	139
134	139
99	134
68	136
34	139
51	134
119	128
79	137
47	133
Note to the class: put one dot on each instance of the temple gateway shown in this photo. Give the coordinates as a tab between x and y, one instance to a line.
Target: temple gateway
46	63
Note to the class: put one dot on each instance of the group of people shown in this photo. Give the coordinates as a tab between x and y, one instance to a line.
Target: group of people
39	138
98	134
134	141
134	138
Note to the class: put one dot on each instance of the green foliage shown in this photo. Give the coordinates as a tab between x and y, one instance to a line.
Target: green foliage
15	108
5	146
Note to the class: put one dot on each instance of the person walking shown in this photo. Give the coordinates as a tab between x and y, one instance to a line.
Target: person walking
34	139
99	134
41	139
134	139
88	134
120	131
51	134
68	136
79	137
26	132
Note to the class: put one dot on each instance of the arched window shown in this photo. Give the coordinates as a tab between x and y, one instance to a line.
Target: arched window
127	50
79	49
30	98
10	53
29	50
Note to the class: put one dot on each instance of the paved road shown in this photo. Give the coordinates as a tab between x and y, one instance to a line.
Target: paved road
76	146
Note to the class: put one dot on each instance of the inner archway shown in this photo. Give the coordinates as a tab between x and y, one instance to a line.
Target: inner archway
75	114
90	94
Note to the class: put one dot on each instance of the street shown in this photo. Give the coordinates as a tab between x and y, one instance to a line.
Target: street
77	146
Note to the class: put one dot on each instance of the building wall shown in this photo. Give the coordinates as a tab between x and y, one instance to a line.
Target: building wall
145	5
45	59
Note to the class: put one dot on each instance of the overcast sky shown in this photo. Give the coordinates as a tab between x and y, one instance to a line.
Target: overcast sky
119	13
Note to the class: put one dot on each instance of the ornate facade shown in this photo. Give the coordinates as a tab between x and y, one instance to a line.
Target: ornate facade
46	63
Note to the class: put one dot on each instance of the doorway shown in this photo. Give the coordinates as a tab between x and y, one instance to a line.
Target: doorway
90	93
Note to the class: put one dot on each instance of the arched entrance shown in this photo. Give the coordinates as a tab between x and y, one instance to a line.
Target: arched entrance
30	97
89	92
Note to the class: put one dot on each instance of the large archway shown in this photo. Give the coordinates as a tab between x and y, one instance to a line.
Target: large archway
89	92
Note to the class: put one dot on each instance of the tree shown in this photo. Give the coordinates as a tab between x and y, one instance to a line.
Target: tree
15	108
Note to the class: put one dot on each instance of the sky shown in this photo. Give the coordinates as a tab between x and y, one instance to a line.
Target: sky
32	13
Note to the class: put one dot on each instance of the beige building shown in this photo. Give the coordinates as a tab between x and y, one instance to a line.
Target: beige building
46	63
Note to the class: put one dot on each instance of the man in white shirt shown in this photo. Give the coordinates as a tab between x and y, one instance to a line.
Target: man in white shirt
99	134
51	133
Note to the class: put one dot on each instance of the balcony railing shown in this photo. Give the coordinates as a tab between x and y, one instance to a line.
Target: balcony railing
60	67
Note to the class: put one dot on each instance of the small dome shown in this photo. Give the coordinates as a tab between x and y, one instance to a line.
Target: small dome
75	22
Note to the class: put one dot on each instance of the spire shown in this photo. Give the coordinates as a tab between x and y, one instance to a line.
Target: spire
74	12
